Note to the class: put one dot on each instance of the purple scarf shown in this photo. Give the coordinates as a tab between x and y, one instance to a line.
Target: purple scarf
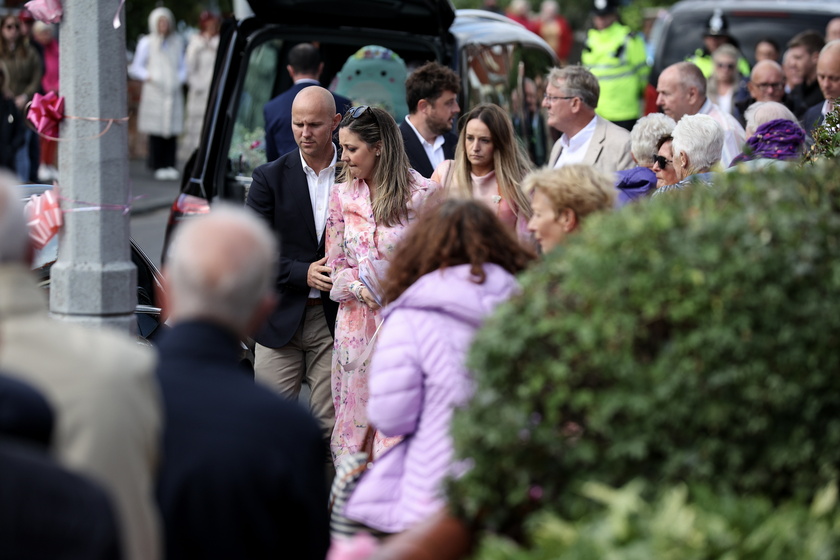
777	139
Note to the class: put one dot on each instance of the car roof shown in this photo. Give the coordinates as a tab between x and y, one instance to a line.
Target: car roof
477	26
429	17
832	6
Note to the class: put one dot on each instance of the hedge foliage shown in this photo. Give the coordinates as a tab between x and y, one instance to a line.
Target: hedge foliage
692	338
680	525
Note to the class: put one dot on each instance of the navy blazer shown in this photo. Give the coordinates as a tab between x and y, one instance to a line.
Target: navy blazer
50	512
417	154
242	474
813	117
277	113
280	194
25	413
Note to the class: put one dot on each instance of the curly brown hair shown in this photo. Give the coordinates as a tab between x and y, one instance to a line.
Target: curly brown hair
455	232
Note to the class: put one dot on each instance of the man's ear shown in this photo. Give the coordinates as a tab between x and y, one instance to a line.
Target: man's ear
693	94
422	105
291	71
336	119
684	161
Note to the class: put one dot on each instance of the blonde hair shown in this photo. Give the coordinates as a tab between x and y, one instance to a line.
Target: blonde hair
509	160
581	188
392	173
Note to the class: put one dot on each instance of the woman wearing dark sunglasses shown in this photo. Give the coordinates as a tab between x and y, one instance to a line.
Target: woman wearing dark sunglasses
377	198
663	163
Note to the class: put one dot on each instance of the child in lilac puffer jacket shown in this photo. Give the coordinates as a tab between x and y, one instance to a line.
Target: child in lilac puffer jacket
455	265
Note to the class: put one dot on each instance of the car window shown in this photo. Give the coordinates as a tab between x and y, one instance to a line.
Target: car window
247	146
496	74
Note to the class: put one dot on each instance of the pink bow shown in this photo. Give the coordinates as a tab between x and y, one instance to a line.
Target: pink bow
45	112
43	216
48	11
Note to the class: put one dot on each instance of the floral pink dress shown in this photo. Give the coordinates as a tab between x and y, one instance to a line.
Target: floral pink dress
352	236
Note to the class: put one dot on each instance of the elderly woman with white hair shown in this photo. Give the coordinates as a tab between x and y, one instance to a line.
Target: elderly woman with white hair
697	143
774	137
641	181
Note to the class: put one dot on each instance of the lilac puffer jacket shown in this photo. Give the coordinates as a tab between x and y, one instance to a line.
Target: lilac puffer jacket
417	378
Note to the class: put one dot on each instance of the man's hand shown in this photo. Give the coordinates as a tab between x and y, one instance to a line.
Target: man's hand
318	276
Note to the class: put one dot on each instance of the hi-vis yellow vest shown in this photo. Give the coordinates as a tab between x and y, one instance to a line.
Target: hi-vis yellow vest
706	64
616	56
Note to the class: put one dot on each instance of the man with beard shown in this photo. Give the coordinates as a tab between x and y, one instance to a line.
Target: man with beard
431	94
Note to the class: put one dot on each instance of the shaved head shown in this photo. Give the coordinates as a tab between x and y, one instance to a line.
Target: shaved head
315	96
313	121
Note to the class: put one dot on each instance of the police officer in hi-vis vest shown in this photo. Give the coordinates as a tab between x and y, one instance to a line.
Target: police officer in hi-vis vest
717	34
616	56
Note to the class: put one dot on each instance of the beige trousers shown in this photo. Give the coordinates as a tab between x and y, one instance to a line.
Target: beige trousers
306	358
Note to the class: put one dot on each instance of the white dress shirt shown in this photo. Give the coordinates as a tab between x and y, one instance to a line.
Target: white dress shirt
319	195
433	151
574	148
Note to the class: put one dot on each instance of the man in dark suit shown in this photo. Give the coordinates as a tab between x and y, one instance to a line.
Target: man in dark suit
49	512
242	470
828	75
305	68
292	195
431	93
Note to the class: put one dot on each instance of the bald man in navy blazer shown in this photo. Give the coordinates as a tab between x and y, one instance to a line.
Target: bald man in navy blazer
292	195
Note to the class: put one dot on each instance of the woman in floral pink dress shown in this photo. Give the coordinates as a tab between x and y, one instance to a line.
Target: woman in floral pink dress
378	197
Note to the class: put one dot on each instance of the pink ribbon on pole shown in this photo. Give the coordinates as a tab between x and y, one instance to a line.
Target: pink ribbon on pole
43	216
45	112
48	11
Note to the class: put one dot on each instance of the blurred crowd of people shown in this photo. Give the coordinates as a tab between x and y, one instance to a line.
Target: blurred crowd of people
362	268
165	64
29	64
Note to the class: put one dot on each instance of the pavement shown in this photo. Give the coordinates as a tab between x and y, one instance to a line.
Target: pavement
151	195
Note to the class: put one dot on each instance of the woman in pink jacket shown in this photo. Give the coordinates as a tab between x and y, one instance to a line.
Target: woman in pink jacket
456	264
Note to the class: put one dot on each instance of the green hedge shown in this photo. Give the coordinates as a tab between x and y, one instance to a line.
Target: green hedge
690	338
680	525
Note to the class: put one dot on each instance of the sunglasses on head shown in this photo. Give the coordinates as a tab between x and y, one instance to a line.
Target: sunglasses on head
661	161
357	112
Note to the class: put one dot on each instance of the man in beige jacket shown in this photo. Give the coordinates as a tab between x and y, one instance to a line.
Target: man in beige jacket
99	383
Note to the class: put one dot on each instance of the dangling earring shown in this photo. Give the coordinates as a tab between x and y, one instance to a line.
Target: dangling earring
377	154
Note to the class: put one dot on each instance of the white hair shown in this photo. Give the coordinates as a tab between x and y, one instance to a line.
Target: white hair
762	112
701	138
221	266
14	234
646	134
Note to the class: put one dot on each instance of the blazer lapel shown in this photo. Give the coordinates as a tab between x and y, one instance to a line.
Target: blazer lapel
299	188
596	144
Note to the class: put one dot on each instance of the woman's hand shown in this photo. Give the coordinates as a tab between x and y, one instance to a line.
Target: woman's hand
367	298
